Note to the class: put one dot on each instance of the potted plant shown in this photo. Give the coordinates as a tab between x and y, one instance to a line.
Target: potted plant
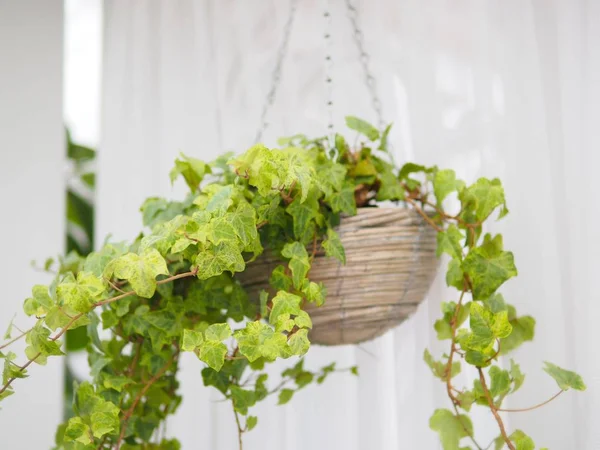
188	284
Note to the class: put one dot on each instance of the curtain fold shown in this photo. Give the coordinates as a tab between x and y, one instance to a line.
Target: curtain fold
498	88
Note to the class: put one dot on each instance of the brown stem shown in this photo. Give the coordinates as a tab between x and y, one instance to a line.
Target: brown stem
95	305
425	216
494	410
137	399
531	408
136	358
239	427
465	428
24	333
114	286
315	246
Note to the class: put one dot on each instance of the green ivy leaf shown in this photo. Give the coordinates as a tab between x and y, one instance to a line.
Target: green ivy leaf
333	246
299	343
344	201
251	422
213	353
365	128
77	431
450	428
466	400
80	294
483	197
299	263
522	441
191	340
242	399
383	141
279	279
39	341
564	378
438	368
218	259
523	330
218	332
517	376
500	381
443	326
284	303
193	171
303	213
285	395
39	303
141	270
315	292
116	382
302	320
243	221
486	327
258	340
488	269
445	182
105	419
11	370
450	241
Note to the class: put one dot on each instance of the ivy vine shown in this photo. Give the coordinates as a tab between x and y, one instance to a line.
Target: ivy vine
174	290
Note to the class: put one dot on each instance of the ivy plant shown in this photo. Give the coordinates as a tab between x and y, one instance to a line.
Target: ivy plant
174	289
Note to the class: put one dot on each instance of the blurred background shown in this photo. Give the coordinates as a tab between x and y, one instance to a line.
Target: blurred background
97	98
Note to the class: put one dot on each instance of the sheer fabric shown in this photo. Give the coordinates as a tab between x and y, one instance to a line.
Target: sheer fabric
498	88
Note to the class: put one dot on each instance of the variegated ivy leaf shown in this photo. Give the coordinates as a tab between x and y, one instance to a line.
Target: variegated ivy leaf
141	270
362	127
193	171
39	303
80	293
220	258
284	303
299	263
258	340
450	241
333	246
489	267
482	197
565	379
445	182
450	428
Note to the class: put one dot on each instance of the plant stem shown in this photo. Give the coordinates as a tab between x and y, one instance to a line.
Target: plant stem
239	427
425	216
24	333
95	305
533	407
137	399
494	410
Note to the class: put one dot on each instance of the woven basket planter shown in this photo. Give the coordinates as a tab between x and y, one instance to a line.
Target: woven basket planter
390	264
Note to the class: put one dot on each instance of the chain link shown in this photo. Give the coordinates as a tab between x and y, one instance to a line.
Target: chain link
364	60
276	76
328	67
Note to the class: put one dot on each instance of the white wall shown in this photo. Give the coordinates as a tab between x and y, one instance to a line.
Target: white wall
31	197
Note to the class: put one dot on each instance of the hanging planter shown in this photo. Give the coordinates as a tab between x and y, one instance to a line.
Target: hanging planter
390	264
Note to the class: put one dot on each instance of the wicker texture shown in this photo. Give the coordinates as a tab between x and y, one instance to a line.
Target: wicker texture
390	264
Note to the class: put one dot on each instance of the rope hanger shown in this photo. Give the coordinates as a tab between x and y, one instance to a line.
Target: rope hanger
364	59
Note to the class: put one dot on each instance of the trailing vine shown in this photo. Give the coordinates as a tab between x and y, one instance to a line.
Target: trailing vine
174	290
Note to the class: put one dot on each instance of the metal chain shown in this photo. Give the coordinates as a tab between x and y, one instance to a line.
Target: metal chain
364	60
328	67
276	76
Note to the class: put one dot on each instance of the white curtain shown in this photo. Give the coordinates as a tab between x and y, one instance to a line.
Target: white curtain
489	88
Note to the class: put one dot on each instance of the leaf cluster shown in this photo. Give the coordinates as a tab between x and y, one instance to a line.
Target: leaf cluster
174	289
